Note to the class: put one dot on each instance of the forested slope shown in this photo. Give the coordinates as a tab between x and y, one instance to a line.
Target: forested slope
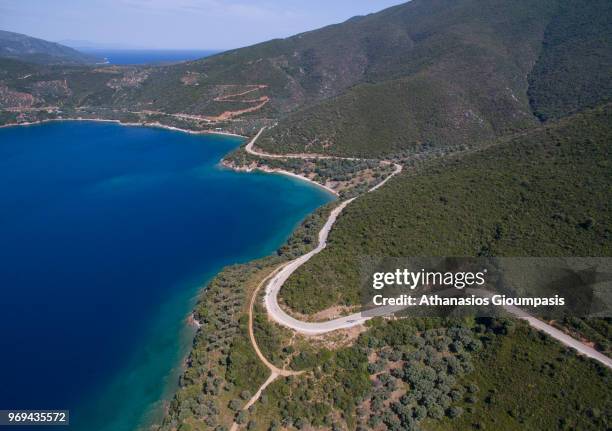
473	71
544	193
427	73
30	49
574	67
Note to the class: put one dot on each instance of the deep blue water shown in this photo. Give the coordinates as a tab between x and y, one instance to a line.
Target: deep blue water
106	235
147	56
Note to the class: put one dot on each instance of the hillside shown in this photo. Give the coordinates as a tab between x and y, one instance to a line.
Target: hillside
461	75
524	196
573	69
30	49
499	112
419	75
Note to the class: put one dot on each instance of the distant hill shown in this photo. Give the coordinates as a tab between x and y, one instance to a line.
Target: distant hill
86	44
30	49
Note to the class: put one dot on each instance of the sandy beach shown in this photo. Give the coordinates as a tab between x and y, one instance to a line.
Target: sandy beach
277	171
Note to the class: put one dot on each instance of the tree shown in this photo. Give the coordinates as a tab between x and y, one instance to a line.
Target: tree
454	412
435	411
472	388
241	417
456	395
235	405
420	413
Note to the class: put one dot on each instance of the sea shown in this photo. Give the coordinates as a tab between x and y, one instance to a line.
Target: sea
108	234
146	56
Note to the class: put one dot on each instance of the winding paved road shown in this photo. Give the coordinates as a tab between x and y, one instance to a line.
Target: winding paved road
312	328
277	281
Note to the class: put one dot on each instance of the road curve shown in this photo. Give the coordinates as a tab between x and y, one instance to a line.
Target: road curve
312	328
276	282
274	370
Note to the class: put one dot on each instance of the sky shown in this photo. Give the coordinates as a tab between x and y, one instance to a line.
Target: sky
176	24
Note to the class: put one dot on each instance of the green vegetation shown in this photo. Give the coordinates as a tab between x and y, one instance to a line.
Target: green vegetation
528	381
524	196
442	75
438	374
347	177
573	69
222	363
304	238
270	337
30	49
439	75
596	330
417	370
413	76
349	124
392	371
223	370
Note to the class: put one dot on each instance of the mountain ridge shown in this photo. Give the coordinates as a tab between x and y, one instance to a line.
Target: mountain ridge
418	75
19	46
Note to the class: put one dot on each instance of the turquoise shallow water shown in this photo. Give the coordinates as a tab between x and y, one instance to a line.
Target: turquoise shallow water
107	234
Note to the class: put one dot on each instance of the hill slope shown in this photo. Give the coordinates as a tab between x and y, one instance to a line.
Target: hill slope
30	49
460	74
421	74
573	70
522	197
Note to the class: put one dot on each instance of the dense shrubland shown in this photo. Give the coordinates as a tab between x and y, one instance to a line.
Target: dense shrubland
544	193
434	374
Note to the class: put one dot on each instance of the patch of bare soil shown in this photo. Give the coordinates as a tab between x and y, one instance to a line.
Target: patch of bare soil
336	339
228	115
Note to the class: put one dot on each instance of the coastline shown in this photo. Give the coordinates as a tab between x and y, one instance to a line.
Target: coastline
278	171
189	323
159	125
155	124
